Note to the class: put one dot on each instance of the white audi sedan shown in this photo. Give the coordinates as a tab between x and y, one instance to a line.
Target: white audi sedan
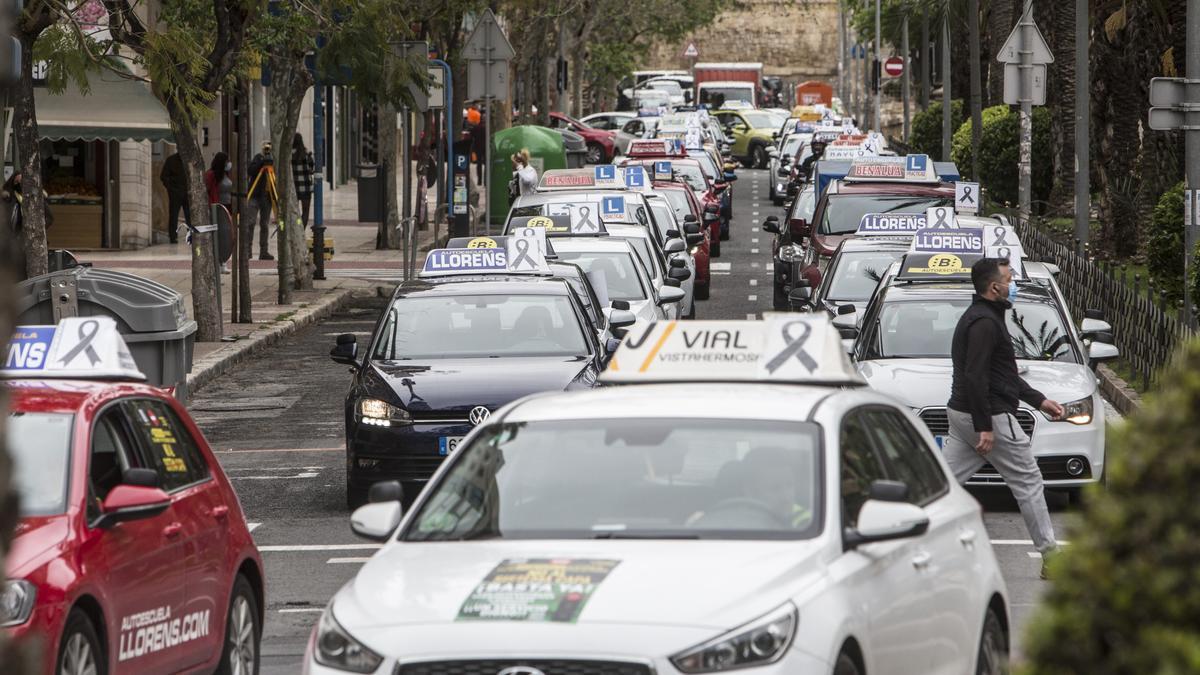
738	501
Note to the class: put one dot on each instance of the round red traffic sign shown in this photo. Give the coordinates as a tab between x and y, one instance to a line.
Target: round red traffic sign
894	67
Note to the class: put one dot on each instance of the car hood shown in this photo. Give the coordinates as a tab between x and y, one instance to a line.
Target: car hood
35	540
919	383
446	384
701	584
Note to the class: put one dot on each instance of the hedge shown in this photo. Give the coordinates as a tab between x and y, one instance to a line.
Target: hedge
1000	151
1164	247
1125	594
926	134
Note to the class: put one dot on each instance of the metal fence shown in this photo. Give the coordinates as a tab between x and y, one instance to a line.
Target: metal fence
1145	331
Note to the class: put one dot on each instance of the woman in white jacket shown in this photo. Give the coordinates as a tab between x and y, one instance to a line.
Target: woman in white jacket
524	174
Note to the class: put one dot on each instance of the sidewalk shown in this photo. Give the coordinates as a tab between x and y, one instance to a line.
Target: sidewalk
356	267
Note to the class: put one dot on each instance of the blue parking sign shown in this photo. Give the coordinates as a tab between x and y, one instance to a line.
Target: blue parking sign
606	172
917	163
635	177
613	206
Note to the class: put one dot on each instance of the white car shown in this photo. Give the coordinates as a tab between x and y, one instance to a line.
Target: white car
792	523
659	262
904	351
625	277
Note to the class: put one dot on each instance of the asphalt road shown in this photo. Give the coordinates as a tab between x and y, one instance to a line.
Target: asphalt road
276	422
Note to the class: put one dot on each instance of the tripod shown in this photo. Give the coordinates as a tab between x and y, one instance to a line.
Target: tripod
266	178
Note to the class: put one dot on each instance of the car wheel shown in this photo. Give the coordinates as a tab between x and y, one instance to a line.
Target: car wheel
595	154
700	292
993	647
242	632
714	248
760	157
79	653
845	665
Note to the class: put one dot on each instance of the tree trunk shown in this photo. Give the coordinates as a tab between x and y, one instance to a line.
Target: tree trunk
1060	96
204	296
976	85
1001	19
290	80
246	217
388	236
1117	141
25	132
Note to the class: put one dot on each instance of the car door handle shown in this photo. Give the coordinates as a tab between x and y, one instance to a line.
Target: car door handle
173	530
220	512
967	538
921	560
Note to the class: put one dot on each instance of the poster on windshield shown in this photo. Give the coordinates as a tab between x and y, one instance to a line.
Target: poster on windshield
536	589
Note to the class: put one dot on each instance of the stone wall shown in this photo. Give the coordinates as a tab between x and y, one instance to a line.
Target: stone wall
136	210
794	39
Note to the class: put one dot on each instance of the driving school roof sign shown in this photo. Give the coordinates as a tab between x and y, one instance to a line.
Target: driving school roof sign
519	255
890	223
791	348
967	240
912	169
83	348
937	266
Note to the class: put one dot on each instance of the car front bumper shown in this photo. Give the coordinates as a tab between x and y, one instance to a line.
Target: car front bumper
410	453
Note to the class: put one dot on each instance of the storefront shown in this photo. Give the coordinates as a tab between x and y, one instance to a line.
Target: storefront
97	162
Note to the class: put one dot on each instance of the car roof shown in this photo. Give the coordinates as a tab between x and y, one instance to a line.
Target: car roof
67	396
481	284
685	400
895	188
568	196
874	243
591	244
928	290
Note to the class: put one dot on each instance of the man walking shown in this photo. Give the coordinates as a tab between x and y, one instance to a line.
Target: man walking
983	401
174	179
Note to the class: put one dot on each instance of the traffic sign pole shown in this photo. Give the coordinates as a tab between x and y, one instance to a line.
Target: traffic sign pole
905	87
1191	152
1026	150
875	70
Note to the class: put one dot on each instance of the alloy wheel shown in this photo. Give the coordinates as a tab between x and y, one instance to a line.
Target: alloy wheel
78	657
240	637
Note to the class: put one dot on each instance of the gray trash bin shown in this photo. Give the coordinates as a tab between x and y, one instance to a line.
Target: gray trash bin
150	316
575	147
371	195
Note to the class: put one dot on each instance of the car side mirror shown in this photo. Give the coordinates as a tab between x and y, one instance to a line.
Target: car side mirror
1097	314
719	187
771	224
689	218
845	323
691	227
675	246
668	295
730	176
799	297
385	491
680	274
621	318
141	477
772	151
611	345
1100	352
619	304
673	234
800	228
846	309
132	502
695	240
345	351
1089	327
678	263
880	520
376	521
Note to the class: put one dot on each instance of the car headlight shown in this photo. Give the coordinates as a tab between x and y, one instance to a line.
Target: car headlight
789	252
336	649
762	641
16	602
1077	412
381	413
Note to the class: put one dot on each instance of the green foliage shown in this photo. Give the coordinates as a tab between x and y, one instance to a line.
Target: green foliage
70	57
1000	152
1164	246
926	135
1125	597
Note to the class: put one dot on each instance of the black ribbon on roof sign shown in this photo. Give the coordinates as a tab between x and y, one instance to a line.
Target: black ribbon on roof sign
1004	253
794	348
1001	233
85	344
585	220
967	197
941	224
523	257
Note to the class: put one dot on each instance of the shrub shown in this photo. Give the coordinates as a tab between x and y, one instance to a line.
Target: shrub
1125	597
926	138
1000	151
1164	246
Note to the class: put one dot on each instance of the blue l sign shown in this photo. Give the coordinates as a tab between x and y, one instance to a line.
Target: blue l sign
635	177
917	163
606	172
613	206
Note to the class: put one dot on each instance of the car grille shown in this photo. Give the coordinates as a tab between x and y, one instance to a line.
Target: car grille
1052	468
409	469
421	416
546	666
939	424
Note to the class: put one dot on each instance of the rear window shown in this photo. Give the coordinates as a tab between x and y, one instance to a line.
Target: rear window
844	212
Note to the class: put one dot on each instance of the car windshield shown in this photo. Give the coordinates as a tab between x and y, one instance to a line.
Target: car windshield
40	447
792	144
760	120
630	478
708	166
641	246
804	206
925	328
707	94
858	273
620	276
691	174
670	86
679	202
843	212
479	326
664	217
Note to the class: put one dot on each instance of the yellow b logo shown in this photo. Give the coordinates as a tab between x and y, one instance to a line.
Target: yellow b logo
945	263
482	242
540	221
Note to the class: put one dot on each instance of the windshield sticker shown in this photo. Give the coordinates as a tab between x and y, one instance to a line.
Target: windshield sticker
154	630
536	589
941	264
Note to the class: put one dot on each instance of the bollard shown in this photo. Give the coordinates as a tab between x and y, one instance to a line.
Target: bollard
319	252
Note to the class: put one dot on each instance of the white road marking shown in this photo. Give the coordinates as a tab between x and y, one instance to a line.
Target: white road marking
756	213
1035	554
754	229
719	266
751	317
1020	542
303	474
753	298
302	548
754	251
755	265
754	240
754	282
346	561
252	526
302	610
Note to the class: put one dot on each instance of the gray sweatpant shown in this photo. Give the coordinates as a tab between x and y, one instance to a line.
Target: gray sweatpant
1013	457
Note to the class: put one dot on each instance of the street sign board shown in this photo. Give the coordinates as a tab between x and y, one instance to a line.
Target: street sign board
437	89
1010	52
894	67
412	50
1167	119
1168	91
1189	199
488	40
1012	84
691	52
487	82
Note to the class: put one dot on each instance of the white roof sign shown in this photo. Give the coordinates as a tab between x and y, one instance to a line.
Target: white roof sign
81	348
783	348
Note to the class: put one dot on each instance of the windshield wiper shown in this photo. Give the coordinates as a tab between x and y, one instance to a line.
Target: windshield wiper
642	535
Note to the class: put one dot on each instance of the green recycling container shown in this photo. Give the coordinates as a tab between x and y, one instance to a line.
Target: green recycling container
545	152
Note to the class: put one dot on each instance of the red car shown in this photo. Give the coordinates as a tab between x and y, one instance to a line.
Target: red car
684	201
692	174
131	554
601	144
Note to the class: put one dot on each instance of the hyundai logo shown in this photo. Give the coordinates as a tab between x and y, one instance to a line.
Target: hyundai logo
521	670
479	415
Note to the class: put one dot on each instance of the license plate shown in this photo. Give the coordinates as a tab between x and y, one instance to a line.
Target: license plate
940	440
448	444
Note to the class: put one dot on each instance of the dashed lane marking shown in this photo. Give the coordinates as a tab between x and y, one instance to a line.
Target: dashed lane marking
754	282
346	561
751	317
753	298
719	267
304	548
252	526
754	251
302	610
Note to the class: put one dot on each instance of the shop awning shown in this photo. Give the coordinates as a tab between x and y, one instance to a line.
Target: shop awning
116	109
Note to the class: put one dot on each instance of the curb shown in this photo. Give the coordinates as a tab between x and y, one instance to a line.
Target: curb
213	365
1123	397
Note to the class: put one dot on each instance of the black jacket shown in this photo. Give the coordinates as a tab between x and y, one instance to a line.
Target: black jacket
986	380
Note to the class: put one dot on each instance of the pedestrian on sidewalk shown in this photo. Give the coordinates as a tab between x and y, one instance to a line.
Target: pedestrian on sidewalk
525	177
262	181
984	397
479	141
174	179
220	191
303	168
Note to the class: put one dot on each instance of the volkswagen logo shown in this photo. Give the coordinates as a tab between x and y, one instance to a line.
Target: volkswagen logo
479	415
521	670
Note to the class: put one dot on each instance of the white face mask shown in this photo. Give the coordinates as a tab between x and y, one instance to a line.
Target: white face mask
229	166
